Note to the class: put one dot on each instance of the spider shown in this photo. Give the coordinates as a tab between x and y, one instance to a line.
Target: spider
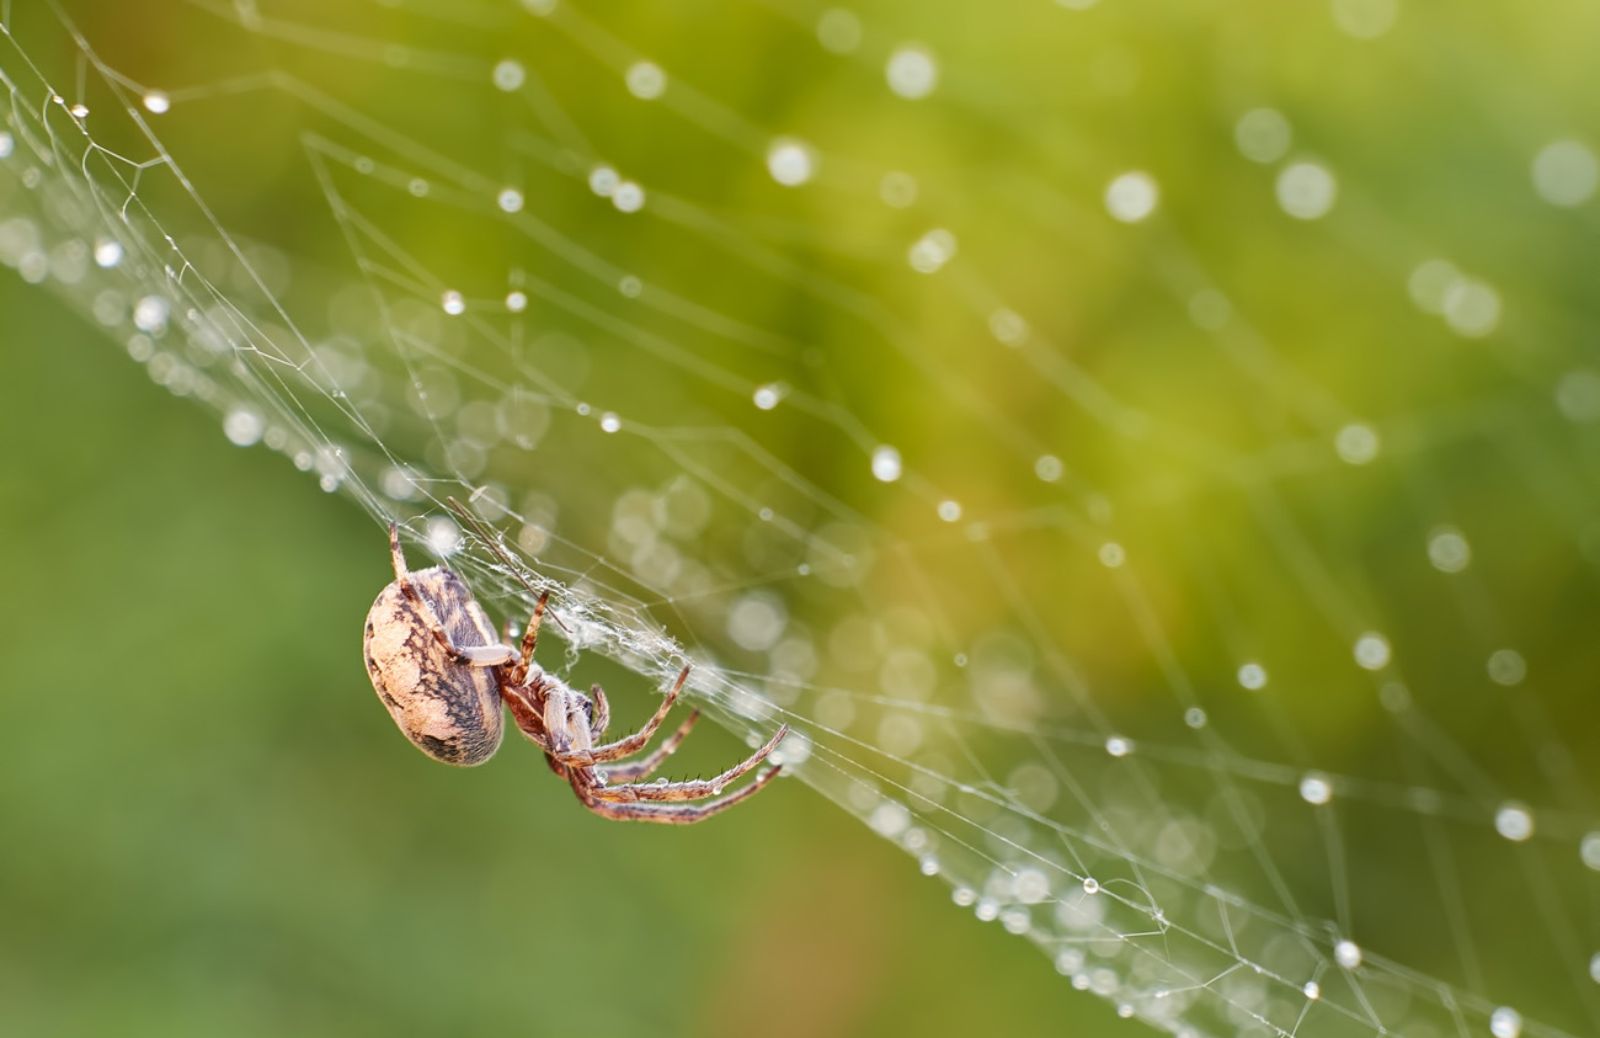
435	664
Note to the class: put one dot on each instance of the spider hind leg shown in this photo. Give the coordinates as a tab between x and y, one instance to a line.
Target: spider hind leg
698	789
676	814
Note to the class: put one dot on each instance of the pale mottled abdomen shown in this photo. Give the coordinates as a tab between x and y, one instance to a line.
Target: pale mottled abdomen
449	710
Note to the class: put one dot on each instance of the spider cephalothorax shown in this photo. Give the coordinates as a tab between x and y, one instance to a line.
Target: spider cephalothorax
436	665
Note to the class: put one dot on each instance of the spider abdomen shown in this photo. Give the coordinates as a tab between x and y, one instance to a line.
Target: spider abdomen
445	707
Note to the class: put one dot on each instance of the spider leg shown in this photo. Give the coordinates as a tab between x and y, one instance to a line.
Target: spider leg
602	712
471	655
699	789
401	574
480	655
531	638
629	745
676	814
635	770
526	714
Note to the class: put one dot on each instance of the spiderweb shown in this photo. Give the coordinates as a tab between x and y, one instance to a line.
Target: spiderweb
1148	456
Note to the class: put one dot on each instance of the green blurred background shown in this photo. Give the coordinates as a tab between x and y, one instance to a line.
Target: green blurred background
211	829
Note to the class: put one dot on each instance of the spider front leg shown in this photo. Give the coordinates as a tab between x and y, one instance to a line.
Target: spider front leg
629	745
698	789
530	640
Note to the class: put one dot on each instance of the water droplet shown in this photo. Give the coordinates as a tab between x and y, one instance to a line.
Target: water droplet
757	621
1365	19
932	251
243	427
768	396
1448	550
1008	327
1356	444
150	315
646	80
1507	667
1253	676
839	30
603	180
1505	1022
912	71
1471	308
898	190
791	162
1514	822
1306	190
1589	850
1372	651
628	197
1262	135
509	75
442	535
1347	954
1566	173
1315	789
885	464
107	253
1429	282
1578	395
1132	196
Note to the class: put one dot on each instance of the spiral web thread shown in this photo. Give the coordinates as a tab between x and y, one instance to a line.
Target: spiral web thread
1250	711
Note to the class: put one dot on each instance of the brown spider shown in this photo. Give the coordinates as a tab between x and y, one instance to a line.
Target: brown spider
434	661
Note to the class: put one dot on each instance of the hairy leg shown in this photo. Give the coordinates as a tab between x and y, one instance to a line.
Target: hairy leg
699	789
629	745
677	814
632	771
